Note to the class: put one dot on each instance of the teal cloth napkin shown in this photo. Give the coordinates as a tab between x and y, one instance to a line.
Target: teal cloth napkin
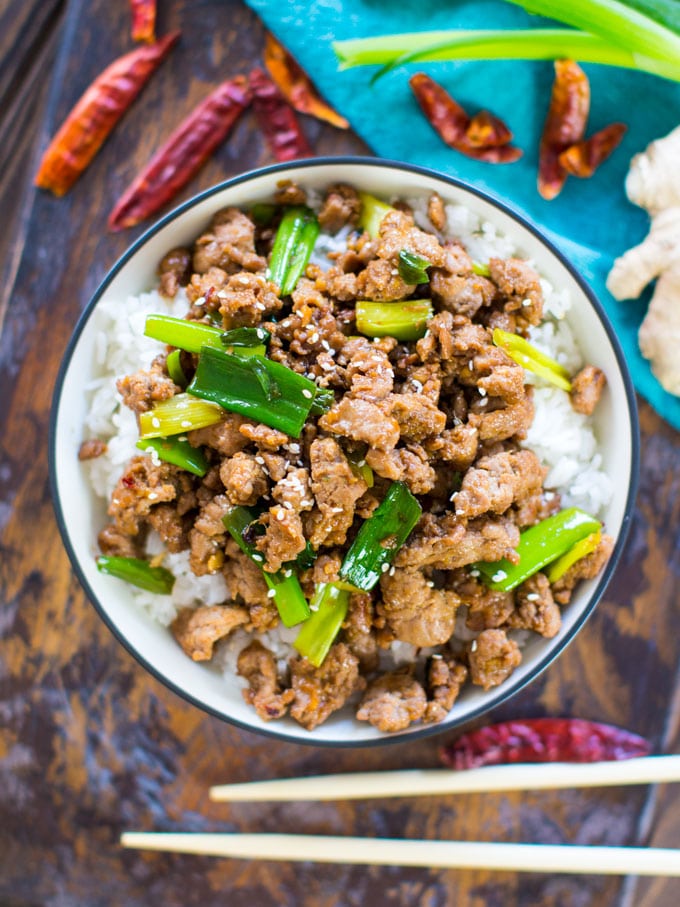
592	221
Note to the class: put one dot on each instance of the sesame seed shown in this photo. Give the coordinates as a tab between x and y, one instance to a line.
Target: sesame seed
385	568
549	495
307	393
243	280
152	495
533	597
222	294
156	422
257	557
392	571
483	401
481	391
287	505
326	345
200	301
473	645
526	302
460	513
185	423
271	593
361	463
471	364
182	438
314	338
294	448
499	575
260	460
288	573
336	509
474	572
280	515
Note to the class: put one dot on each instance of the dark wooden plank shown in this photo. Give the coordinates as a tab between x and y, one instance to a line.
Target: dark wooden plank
89	744
28	37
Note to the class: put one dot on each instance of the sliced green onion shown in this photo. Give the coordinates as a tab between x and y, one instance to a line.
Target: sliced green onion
253	337
293	244
138	572
413	268
178	451
380	537
262	213
480	269
175	370
360	467
539	545
288	596
578	551
192	336
185	335
502	44
176	415
532	359
616	22
329	608
323	400
372	213
405	320
237	385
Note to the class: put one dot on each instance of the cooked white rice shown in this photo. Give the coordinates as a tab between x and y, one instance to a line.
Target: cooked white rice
563	439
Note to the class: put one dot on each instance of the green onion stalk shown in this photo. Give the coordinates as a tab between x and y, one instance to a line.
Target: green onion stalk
539	545
192	336
293	244
178	451
329	608
380	538
138	573
256	387
529	357
614	35
176	415
284	585
405	320
373	210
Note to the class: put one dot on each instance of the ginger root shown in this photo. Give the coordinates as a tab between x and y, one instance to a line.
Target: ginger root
653	183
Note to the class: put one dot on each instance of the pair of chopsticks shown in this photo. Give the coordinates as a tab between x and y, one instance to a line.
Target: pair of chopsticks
565	858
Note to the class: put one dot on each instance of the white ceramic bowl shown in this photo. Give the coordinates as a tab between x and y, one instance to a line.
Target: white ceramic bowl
80	515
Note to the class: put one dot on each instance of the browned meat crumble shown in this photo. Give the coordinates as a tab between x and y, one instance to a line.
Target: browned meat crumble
445	414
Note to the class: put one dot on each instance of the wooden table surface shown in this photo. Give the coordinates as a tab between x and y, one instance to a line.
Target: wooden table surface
90	744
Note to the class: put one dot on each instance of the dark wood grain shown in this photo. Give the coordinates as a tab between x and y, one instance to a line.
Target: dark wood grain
89	743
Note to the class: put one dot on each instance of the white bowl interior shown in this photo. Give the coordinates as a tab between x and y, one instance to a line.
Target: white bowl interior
82	516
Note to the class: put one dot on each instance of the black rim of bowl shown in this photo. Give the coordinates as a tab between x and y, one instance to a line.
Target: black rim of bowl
502	693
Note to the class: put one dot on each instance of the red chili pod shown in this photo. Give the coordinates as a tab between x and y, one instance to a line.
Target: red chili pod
277	119
543	740
452	123
583	158
143	20
444	114
183	154
296	86
92	119
565	125
487	131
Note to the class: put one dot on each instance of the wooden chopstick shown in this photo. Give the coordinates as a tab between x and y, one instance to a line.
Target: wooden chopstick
569	858
417	782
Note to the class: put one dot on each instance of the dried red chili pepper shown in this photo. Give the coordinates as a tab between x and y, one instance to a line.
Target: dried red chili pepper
277	119
89	123
565	124
543	740
296	86
187	149
487	131
143	20
583	158
451	121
